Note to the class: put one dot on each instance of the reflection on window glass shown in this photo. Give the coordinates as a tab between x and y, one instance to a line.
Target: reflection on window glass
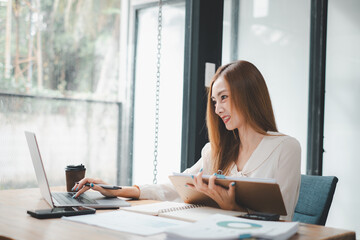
52	53
274	36
171	92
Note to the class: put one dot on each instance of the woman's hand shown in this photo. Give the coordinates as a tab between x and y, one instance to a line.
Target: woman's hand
225	198
128	192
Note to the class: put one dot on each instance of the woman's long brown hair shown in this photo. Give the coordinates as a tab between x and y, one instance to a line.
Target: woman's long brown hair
250	97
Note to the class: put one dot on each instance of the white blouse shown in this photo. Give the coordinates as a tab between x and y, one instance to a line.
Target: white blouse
277	156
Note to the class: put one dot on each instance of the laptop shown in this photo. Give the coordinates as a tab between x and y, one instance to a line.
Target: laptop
64	199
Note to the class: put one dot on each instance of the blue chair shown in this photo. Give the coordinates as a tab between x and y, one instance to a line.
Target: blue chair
316	194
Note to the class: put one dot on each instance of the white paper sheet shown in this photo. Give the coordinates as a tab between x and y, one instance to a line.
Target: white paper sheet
129	222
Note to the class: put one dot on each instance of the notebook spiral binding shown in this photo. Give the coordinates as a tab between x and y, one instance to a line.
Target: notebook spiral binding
173	209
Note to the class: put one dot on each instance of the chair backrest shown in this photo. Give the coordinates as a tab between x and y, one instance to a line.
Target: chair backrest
316	194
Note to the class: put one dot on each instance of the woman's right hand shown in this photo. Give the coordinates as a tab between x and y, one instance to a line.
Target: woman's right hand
128	192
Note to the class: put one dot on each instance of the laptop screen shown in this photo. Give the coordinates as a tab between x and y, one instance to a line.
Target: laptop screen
39	167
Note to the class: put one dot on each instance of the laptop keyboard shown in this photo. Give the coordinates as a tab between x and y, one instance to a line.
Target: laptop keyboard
67	198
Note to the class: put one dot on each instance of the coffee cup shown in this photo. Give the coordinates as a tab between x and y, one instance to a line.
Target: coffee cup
74	173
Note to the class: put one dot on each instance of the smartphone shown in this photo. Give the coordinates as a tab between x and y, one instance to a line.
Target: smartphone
58	212
262	216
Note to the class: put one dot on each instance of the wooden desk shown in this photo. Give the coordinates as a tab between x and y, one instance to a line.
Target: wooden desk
17	224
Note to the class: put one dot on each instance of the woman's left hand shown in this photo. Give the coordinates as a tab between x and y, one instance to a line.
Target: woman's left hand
225	198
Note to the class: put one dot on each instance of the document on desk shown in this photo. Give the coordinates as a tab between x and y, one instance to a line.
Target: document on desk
129	222
220	226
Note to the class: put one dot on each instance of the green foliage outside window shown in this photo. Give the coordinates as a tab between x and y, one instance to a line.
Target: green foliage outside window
60	48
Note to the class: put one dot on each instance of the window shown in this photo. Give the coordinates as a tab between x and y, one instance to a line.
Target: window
274	36
68	72
171	90
59	77
342	113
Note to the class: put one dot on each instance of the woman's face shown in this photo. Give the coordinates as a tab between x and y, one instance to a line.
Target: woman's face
223	106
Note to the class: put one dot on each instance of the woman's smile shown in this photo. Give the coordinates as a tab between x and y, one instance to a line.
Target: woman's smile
226	118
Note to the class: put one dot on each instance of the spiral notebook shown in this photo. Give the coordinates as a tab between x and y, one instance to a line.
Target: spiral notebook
180	211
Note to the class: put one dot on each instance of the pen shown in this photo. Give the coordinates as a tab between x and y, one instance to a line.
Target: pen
110	187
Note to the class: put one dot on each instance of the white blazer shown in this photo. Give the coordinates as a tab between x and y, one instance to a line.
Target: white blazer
277	156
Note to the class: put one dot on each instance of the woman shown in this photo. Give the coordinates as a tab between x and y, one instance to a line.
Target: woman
244	141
